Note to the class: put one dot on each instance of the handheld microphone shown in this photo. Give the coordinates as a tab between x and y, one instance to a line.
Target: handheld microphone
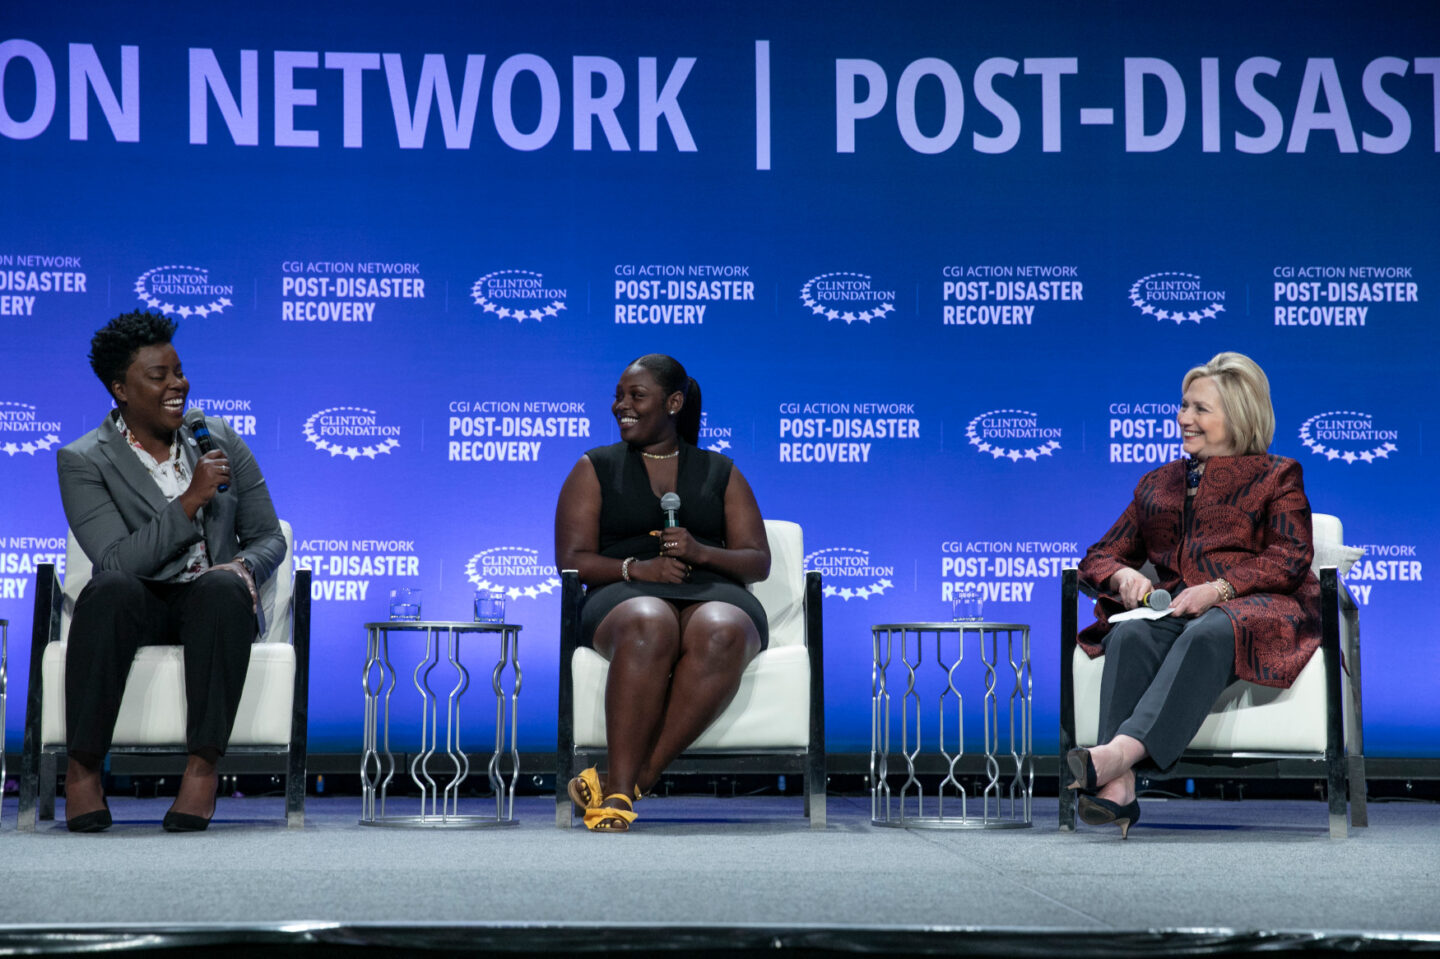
670	503
195	422
1156	599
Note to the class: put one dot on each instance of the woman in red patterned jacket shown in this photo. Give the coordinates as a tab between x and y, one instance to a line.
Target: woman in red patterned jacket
1228	532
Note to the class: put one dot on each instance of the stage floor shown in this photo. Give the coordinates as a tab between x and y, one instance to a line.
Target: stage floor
1235	868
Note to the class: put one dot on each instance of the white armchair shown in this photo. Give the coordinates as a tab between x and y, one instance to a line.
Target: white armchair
271	720
1318	718
776	722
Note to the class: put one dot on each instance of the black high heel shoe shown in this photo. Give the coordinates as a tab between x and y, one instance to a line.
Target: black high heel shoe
188	822
1101	812
185	822
1083	769
97	821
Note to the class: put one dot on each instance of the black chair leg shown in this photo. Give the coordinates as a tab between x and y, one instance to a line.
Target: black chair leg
1335	791
49	778
564	808
295	796
815	791
29	794
1067	800
1358	815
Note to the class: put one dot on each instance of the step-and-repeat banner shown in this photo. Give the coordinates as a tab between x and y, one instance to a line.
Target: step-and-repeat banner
938	267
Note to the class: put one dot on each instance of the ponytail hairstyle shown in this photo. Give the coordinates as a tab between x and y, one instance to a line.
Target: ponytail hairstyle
673	379
1245	393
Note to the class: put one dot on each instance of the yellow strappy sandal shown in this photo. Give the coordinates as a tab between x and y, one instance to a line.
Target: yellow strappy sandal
611	818
584	789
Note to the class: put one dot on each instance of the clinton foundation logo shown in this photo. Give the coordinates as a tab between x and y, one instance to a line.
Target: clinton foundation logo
183	291
1182	297
851	297
351	431
1014	435
714	438
515	571
517	295
22	430
850	573
1349	436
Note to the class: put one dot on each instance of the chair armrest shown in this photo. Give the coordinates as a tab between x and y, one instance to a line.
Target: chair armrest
1069	628
1339	620
570	597
1070	588
1343	596
1340	638
44	629
815	647
300	707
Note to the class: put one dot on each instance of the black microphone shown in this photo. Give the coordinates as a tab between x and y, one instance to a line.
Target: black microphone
1157	599
195	422
670	503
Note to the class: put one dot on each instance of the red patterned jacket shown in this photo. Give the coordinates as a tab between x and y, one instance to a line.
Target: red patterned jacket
1251	525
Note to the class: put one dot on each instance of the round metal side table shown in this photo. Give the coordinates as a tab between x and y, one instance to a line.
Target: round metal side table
991	659
439	807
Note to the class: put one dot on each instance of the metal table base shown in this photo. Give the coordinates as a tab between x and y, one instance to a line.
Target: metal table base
1004	802
438	807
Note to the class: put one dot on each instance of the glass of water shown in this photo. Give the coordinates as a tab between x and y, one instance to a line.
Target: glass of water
405	603
489	606
968	605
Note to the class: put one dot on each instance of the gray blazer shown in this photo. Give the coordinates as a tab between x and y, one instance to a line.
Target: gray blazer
123	522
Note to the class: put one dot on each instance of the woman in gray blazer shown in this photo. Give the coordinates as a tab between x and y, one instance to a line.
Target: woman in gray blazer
180	541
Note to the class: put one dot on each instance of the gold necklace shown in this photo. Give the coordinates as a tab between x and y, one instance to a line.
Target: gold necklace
661	456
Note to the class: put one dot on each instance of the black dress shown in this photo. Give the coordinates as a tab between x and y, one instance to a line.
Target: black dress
629	510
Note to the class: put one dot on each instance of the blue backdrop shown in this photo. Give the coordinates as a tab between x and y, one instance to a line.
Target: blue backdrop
938	267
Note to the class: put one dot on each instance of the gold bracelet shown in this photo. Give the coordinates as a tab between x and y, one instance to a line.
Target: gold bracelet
1226	591
625	568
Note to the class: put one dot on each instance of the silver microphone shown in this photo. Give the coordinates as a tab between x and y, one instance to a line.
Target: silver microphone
1156	599
670	503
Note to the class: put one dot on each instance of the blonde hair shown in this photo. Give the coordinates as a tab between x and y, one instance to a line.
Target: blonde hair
1245	393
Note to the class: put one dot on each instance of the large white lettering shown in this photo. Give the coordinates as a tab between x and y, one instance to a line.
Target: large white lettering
242	119
86	73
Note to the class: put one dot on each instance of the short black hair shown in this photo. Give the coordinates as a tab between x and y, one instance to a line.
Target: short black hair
113	347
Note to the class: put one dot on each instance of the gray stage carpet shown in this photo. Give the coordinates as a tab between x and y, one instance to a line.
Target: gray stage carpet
1258	866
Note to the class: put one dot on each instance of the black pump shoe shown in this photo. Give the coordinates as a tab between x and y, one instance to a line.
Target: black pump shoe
1101	812
185	822
1083	769
97	821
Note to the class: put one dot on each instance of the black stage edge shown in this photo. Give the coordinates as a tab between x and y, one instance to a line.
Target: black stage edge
325	940
1377	768
337	774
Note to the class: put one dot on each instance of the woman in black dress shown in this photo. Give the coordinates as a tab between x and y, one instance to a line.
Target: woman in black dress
667	606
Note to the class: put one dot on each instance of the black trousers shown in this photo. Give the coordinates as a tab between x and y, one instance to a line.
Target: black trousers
116	613
1161	678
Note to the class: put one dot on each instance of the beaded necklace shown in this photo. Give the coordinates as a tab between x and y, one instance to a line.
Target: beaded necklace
1193	470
